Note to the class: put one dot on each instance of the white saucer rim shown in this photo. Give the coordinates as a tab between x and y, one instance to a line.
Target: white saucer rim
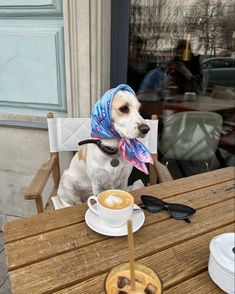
141	214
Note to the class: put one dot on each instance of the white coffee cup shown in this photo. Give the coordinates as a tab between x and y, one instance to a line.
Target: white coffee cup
114	207
190	96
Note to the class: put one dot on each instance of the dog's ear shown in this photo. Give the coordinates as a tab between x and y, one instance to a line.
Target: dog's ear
82	152
121	103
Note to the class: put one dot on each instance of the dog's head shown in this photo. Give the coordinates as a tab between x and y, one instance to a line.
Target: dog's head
125	115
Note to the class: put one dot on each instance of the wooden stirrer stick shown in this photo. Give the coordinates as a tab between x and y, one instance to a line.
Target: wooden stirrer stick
131	254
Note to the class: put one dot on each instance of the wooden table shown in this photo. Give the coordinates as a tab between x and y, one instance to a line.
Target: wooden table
56	252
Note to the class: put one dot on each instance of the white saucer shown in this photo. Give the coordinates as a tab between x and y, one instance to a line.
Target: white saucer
95	223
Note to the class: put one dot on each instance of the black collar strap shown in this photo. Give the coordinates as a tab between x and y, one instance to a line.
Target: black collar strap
106	149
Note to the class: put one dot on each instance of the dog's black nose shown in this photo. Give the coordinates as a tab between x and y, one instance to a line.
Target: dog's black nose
143	129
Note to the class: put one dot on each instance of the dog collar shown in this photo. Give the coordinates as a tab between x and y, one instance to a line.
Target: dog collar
106	149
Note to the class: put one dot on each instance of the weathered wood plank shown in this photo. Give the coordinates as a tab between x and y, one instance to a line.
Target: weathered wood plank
192	183
173	265
201	284
81	264
79	235
72	215
44	222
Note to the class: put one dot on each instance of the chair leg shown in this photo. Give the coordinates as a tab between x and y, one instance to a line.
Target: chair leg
181	168
153	177
39	204
207	165
220	158
56	170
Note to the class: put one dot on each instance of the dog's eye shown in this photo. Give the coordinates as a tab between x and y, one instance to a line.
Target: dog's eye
124	109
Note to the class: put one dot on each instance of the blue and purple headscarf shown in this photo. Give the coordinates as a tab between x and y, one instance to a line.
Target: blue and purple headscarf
102	127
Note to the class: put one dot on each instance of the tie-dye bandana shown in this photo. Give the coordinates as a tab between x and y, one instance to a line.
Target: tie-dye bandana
102	127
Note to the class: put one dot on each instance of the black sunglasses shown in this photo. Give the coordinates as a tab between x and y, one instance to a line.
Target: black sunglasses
177	211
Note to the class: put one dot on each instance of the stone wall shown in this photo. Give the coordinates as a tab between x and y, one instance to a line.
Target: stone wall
22	151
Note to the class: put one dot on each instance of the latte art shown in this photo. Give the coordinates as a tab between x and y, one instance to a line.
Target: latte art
112	200
116	200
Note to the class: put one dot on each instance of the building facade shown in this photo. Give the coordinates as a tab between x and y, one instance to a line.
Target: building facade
55	56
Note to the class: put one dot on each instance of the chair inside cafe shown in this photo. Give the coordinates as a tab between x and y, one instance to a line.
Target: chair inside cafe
189	142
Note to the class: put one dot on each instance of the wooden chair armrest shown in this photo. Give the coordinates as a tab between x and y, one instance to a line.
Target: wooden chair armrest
40	179
162	171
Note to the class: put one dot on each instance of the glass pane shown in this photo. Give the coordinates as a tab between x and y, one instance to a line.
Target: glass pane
181	59
177	38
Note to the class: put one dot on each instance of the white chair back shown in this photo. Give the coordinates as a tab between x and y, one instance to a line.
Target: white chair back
150	140
66	133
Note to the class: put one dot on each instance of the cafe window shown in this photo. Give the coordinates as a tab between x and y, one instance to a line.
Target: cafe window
181	60
156	27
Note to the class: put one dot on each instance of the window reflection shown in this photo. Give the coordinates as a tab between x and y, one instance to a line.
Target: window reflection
156	26
182	58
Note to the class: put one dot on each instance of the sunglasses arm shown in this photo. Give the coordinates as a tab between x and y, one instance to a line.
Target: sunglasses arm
187	220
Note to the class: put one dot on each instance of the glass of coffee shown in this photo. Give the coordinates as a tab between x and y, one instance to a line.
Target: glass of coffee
114	207
146	280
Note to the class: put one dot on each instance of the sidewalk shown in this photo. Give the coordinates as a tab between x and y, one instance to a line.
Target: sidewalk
5	287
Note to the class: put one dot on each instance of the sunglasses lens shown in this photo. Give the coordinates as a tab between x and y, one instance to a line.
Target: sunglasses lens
151	203
180	211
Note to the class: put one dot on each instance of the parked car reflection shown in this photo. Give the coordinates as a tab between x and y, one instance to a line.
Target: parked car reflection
218	71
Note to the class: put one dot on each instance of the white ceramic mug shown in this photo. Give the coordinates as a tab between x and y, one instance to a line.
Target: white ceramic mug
190	96
114	207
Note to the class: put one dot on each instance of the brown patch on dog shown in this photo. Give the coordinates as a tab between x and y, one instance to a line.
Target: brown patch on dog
121	100
82	152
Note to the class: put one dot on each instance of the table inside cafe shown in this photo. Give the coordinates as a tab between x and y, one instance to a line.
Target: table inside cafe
56	252
178	103
200	103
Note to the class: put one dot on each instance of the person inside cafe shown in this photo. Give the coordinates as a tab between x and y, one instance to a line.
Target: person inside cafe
155	81
139	63
184	69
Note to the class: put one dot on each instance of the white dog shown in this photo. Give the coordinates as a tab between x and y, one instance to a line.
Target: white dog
93	169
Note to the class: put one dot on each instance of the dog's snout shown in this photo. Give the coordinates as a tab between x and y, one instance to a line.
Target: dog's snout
143	128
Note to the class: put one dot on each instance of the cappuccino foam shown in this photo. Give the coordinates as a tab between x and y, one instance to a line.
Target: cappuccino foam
112	200
116	200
